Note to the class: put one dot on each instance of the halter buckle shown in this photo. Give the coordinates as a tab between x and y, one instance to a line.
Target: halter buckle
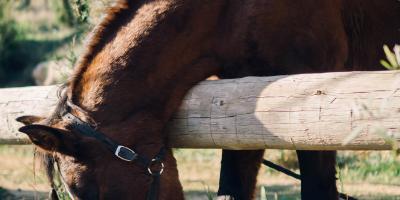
125	153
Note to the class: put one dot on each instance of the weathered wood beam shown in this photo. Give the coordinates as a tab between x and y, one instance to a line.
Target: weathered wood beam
305	111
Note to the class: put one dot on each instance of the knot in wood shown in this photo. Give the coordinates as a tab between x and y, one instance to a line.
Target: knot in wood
319	92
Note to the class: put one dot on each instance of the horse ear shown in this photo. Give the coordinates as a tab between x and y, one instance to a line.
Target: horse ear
29	119
49	138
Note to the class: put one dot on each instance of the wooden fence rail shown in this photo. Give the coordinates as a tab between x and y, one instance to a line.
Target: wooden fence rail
305	111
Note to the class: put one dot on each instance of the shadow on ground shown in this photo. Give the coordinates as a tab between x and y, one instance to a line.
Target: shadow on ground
21	194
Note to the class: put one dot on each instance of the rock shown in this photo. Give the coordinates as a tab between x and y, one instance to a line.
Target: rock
52	72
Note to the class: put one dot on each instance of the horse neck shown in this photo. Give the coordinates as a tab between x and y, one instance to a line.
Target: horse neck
143	72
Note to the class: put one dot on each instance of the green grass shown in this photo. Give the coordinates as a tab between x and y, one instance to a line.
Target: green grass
374	167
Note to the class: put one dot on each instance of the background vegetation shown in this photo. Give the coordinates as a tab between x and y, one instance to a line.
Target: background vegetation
41	31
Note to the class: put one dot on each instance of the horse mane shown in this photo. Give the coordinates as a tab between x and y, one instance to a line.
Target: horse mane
116	16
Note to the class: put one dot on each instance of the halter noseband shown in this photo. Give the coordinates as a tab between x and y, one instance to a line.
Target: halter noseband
122	152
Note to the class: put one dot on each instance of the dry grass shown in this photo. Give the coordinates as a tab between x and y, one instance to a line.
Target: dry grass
199	172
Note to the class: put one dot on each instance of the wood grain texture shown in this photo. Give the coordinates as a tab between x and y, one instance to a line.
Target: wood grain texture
305	111
15	102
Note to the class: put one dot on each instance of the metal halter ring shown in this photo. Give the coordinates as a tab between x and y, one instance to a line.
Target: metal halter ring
155	161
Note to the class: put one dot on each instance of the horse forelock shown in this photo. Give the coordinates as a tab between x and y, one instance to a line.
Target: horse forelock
46	159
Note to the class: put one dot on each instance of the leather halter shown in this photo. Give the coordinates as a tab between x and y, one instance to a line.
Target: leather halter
122	152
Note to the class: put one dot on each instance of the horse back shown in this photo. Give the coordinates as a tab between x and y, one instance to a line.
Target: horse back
285	37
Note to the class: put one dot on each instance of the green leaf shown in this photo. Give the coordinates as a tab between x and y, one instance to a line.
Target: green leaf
386	65
396	50
390	56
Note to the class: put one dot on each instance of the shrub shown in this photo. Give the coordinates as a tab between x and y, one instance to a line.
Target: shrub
10	33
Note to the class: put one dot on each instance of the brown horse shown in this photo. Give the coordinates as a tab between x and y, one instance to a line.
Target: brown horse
146	55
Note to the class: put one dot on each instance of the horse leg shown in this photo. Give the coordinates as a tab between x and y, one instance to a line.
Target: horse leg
318	175
239	171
